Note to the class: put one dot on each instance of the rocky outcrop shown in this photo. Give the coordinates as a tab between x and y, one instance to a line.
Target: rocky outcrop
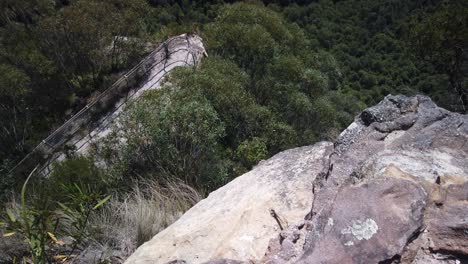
395	190
392	189
236	221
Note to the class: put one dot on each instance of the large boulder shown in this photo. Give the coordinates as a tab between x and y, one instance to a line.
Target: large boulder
393	188
395	191
236	221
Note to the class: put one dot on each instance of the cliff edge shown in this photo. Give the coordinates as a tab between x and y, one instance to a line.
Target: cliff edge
392	189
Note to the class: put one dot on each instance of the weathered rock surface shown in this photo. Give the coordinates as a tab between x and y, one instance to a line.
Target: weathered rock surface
392	189
366	217
396	190
235	221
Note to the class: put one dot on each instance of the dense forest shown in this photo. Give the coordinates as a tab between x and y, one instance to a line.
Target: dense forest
280	74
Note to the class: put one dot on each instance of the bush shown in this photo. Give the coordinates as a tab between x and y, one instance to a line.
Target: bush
251	35
55	207
33	224
252	151
76	170
171	133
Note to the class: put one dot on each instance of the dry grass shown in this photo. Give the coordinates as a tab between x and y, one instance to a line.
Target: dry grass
126	224
12	247
121	225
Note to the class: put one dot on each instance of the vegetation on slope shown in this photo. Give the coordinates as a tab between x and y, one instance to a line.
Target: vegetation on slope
280	74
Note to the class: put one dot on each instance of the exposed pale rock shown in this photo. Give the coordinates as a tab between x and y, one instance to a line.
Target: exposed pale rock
392	189
396	189
234	222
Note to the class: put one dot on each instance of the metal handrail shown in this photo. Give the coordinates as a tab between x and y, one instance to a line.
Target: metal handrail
89	106
67	131
114	85
123	103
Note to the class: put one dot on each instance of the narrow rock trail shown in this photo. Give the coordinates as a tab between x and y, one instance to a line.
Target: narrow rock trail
178	51
94	120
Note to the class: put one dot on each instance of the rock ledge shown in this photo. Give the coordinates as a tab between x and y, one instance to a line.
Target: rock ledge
392	189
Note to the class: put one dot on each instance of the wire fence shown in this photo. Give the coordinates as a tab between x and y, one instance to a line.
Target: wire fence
97	115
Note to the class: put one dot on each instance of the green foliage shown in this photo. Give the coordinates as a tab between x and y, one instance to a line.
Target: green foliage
34	224
366	38
77	209
14	82
251	35
226	88
78	187
285	77
251	151
53	55
252	98
440	39
208	125
98	33
173	133
59	206
77	171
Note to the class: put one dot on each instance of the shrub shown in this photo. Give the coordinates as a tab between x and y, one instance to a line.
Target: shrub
33	224
77	170
252	151
171	133
55	207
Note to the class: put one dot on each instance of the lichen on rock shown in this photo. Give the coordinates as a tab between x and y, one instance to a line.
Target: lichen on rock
361	229
393	188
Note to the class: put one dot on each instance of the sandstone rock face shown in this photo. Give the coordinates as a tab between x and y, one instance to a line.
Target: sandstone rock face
396	190
235	221
393	188
366	217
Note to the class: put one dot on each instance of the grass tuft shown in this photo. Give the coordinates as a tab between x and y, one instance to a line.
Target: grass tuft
126	223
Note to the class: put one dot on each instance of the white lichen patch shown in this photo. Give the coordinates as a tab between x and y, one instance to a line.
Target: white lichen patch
349	243
330	222
362	229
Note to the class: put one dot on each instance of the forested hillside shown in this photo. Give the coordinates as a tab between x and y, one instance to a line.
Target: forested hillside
280	74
